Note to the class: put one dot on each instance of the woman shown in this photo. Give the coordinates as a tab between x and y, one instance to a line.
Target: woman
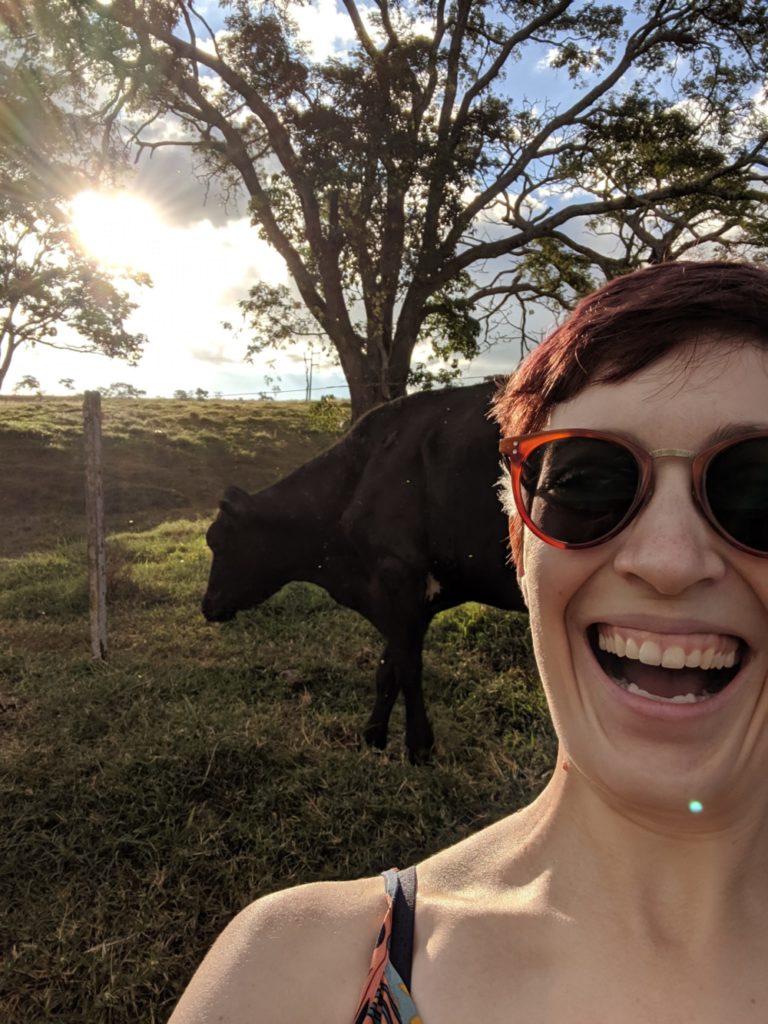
635	887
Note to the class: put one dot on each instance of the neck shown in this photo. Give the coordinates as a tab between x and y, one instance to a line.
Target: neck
676	883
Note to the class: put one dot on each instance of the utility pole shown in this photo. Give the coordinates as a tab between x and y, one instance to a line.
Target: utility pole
308	366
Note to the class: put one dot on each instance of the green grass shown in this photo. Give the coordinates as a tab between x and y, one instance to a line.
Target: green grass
145	800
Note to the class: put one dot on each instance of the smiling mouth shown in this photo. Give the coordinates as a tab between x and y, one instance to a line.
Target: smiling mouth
687	677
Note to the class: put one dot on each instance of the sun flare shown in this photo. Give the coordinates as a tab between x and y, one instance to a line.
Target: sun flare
119	229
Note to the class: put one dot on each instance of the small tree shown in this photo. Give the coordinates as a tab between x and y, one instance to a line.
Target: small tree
121	390
27	383
51	293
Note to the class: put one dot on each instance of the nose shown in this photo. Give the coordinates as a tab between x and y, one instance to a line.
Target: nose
670	546
212	609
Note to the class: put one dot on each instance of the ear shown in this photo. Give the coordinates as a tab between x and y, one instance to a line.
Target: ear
236	503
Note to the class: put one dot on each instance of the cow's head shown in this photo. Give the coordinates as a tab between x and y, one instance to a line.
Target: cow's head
241	575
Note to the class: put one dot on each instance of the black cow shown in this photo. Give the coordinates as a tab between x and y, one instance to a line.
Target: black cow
399	520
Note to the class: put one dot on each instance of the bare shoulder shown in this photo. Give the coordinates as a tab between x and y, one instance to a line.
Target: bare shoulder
488	873
300	953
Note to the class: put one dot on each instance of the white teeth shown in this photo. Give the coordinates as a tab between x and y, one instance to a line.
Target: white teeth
673	657
680	698
650	653
633	688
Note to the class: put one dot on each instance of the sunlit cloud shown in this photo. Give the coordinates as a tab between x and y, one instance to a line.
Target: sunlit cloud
549	58
199	273
323	27
327	29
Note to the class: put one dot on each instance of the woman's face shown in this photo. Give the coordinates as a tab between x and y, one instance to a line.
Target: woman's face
671	583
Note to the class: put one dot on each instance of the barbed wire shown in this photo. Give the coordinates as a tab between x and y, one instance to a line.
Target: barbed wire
332	387
273	392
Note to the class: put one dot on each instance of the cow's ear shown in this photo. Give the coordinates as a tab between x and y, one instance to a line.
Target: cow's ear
236	502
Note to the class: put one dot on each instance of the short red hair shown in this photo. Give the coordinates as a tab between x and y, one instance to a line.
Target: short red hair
628	324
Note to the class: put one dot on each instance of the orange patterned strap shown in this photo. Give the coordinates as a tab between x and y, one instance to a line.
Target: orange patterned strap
385	995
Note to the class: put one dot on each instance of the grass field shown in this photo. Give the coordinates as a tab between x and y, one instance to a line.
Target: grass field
145	800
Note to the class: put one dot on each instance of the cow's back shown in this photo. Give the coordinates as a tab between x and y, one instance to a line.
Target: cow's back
427	493
467	527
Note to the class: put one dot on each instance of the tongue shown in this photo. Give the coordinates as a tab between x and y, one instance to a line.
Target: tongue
664	682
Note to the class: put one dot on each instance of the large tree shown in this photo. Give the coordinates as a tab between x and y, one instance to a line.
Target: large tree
51	293
414	187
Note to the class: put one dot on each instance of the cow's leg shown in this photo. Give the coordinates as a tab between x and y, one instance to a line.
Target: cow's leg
419	738
387	689
402	618
400	669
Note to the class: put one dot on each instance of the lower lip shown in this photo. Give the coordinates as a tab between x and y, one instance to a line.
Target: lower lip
668	711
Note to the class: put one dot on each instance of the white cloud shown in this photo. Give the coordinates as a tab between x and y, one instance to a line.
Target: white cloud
199	273
323	27
208	45
326	28
549	58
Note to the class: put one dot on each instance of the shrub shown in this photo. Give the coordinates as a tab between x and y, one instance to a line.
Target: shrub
328	415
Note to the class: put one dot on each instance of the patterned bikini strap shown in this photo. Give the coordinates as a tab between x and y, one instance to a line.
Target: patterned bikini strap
401	887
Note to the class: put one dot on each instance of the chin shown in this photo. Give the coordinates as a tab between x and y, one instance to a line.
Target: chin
660	783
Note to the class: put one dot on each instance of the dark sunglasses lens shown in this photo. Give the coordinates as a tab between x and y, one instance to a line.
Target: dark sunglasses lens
736	485
577	489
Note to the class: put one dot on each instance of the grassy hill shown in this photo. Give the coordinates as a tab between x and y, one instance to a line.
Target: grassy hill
162	460
146	799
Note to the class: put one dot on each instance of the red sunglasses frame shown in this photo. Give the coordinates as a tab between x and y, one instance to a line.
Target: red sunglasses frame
517	449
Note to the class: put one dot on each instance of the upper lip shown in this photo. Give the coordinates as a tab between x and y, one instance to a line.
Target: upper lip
664	624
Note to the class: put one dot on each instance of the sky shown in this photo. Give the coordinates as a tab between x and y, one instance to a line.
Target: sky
203	256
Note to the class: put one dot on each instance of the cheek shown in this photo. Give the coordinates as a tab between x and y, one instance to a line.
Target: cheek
547	576
557	583
546	595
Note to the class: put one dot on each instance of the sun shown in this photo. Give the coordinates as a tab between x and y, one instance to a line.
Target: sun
118	228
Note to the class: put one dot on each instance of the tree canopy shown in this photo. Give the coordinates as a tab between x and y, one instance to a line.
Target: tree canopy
458	162
47	282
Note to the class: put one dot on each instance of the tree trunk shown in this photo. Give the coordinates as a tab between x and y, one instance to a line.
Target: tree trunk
368	390
372	383
5	363
376	371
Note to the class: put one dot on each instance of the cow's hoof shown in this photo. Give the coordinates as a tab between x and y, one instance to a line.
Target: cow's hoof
421	755
375	736
420	744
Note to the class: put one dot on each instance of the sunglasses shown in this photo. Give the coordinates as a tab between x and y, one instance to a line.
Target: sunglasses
579	488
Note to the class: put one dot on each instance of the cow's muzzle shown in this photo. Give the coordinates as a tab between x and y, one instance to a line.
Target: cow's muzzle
215	612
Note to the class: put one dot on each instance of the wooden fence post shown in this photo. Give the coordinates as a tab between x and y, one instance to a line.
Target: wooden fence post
94	507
